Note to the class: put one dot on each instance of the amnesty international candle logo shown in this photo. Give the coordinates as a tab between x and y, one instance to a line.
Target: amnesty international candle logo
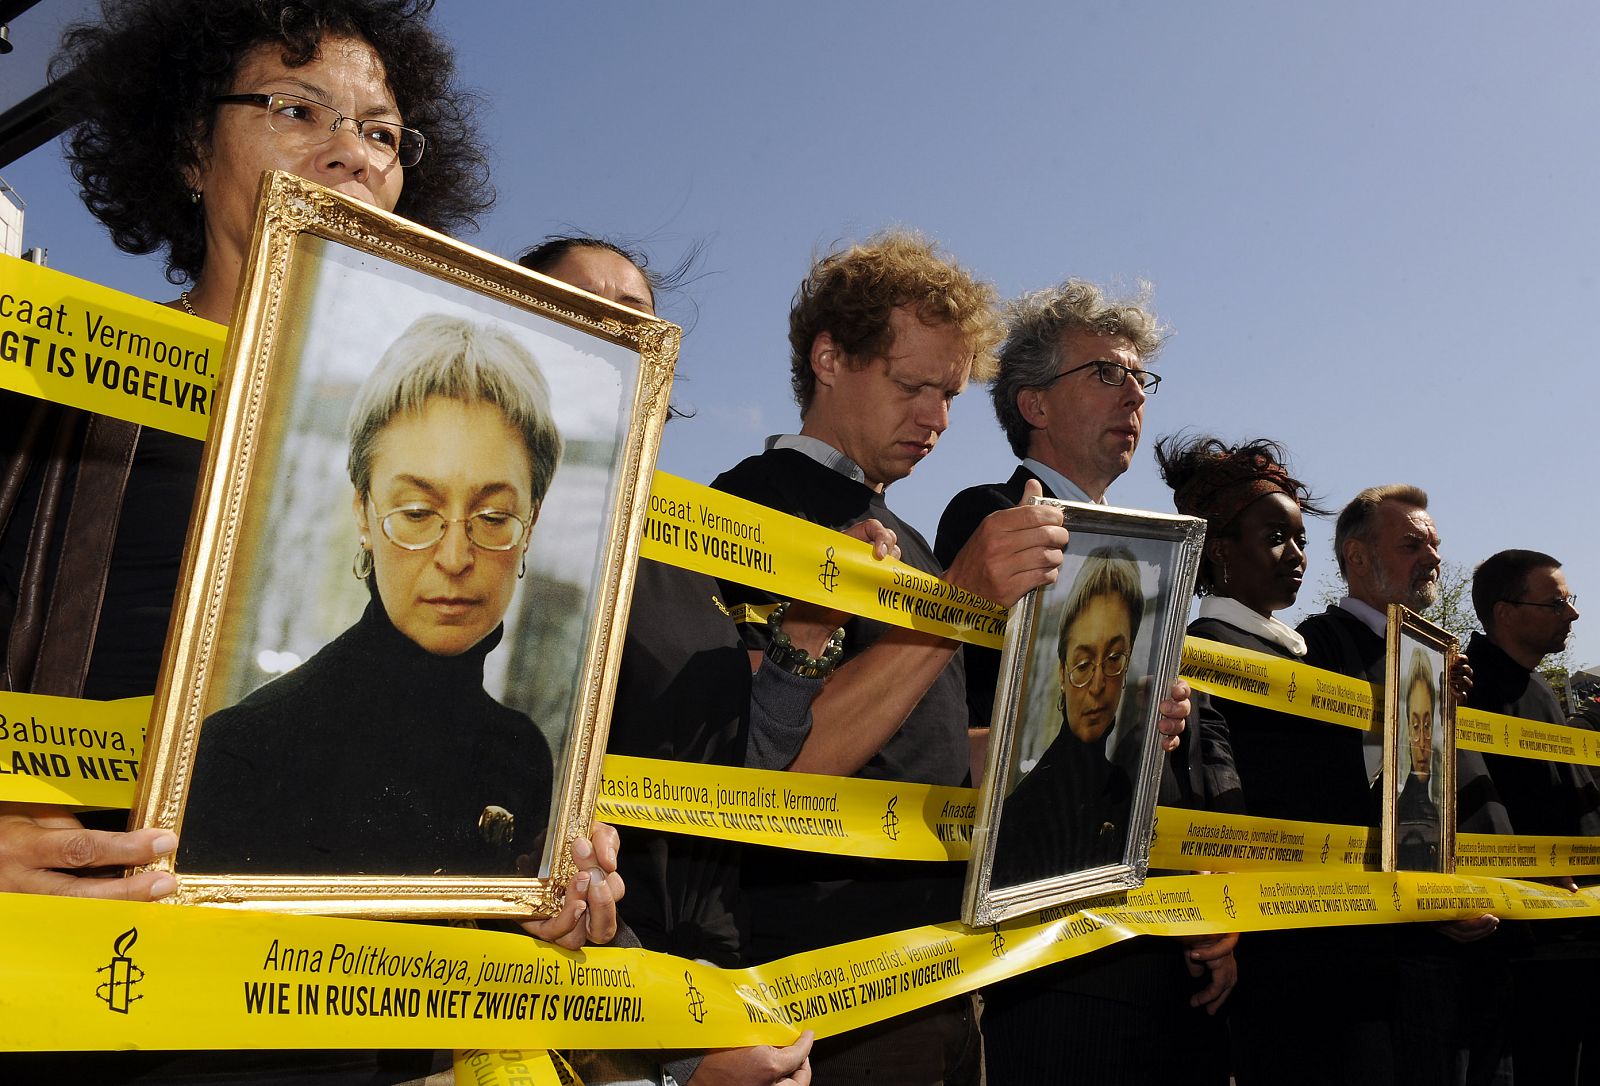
1293	689
1326	838
1227	903
117	991
891	821
829	577
997	945
1552	853
697	1000
1395	894
1505	734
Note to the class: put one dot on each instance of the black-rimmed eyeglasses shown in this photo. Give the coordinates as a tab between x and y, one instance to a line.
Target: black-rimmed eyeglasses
313	124
1555	605
1113	374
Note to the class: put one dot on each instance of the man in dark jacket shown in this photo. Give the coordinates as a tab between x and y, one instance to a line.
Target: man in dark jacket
1522	600
1388	552
1070	394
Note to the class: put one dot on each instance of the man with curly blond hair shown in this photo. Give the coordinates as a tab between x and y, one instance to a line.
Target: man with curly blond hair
884	335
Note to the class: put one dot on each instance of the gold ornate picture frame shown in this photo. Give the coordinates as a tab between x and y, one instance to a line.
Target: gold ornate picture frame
1067	802
335	730
1419	745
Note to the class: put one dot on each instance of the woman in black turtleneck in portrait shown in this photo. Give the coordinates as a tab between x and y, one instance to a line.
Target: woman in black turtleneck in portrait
1070	812
383	754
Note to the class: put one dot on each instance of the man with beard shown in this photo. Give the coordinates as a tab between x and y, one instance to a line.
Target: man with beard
1527	611
1388	552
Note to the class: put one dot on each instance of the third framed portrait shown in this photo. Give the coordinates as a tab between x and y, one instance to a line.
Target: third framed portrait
1419	745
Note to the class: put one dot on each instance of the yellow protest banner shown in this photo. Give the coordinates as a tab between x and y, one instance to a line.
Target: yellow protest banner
1186	840
512	1067
1496	733
1274	682
78	973
73	342
70	751
845	815
705	530
1525	856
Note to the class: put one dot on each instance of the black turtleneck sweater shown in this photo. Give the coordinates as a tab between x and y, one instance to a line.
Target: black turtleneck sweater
374	757
1070	813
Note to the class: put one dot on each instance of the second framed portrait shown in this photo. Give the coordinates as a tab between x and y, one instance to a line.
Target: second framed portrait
1069	788
395	647
1419	745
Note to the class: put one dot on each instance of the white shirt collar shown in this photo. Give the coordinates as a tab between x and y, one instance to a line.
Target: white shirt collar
1237	615
1058	484
1372	741
821	452
1372	618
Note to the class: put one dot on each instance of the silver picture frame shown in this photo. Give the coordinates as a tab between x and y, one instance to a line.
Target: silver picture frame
1067	801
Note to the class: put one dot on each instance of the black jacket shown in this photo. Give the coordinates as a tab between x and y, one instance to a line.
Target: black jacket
960	520
1547	798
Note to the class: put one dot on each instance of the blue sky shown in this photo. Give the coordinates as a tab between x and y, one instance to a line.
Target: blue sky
1371	226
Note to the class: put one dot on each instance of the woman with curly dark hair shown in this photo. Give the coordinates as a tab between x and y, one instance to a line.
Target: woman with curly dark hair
181	105
1252	566
184	102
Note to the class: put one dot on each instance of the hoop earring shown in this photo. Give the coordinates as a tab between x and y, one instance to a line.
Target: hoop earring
523	569
362	566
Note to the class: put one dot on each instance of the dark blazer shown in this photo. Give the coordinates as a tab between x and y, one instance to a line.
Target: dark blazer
960	520
968	508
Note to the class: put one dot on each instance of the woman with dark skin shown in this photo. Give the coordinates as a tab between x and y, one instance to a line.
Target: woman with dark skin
184	104
1252	566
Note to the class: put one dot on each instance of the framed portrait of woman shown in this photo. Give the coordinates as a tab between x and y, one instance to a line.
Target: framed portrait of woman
1419	745
395	644
1067	802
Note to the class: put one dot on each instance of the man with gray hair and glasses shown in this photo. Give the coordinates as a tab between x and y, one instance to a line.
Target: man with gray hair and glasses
1070	397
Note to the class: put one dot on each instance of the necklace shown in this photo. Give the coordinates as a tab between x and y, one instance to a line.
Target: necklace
188	306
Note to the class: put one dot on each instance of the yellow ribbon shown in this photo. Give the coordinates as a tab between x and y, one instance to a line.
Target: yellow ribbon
83	973
77	343
70	751
846	815
512	1067
710	532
